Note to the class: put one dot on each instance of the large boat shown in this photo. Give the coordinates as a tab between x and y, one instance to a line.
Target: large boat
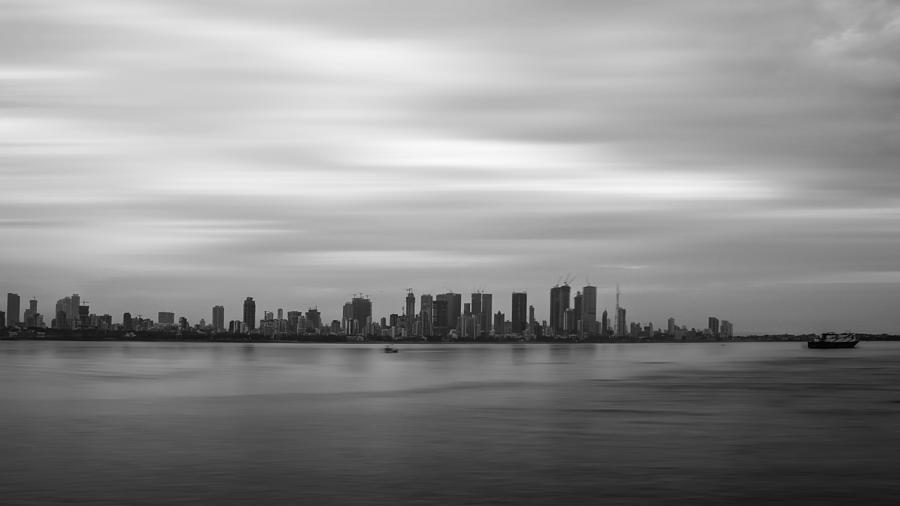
833	340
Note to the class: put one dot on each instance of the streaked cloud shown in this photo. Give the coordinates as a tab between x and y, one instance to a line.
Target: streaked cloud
303	151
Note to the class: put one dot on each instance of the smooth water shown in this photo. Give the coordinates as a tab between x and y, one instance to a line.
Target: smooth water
155	423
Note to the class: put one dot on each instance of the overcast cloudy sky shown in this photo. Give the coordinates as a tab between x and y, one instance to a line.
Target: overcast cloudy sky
734	158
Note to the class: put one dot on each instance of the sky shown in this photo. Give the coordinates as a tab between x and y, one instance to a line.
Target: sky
738	159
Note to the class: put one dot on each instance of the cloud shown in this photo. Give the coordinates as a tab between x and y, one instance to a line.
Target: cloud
313	149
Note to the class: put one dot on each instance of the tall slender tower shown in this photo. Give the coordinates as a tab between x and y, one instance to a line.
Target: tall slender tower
410	312
620	315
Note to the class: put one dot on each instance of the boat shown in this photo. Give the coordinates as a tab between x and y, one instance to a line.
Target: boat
391	349
833	340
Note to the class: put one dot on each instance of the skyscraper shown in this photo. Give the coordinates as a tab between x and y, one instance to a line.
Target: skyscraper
714	326
670	329
441	317
454	307
362	312
126	321
559	302
250	313
577	305
218	318
410	313
604	324
72	310
12	309
589	309
482	307
727	330
620	322
164	317
519	311
427	312
313	319
620	315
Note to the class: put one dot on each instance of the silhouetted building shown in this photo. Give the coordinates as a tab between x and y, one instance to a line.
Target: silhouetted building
249	313
482	307
218	318
670	328
620	322
499	320
410	313
2	319
726	330
589	310
13	311
126	321
454	307
165	318
532	323
604	324
559	303
714	326
362	313
427	315
441	317
519	312
313	319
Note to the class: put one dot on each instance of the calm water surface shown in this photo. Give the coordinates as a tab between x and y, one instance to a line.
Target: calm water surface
152	423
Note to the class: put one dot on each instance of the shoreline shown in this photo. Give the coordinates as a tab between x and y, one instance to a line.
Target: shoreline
170	338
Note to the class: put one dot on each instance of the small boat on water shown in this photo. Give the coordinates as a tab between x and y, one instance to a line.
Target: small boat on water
833	340
391	349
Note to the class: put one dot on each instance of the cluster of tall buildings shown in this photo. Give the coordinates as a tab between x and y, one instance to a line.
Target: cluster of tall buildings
441	316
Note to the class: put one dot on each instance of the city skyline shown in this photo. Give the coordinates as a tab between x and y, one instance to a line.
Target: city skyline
441	316
731	158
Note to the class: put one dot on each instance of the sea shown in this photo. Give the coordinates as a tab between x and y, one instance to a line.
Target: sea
140	423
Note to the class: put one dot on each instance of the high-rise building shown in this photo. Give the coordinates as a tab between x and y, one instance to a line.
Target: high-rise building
410	313
621	329
126	321
559	302
72	314
218	318
499	320
362	312
165	318
620	316
577	305
454	308
2	319
84	315
441	316
487	306
589	309
427	315
670	328
726	330
313	319
250	313
604	324
714	326
482	307
519	312
13	311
